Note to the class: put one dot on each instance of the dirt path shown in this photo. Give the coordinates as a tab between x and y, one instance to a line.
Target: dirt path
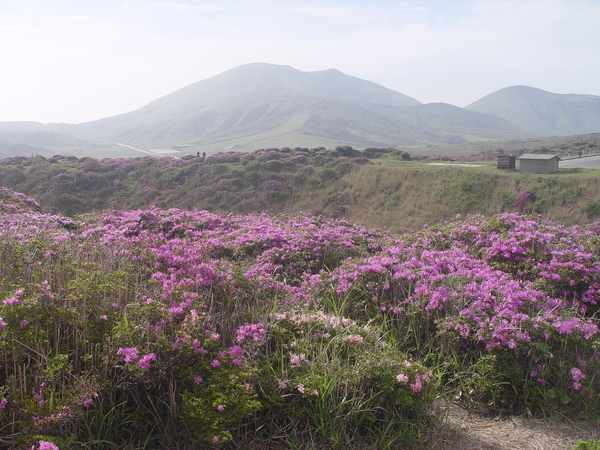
475	432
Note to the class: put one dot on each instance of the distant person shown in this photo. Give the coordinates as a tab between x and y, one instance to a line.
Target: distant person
580	153
198	154
203	155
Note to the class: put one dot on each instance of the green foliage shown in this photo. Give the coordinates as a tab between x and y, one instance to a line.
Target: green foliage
219	405
465	195
344	380
592	209
587	445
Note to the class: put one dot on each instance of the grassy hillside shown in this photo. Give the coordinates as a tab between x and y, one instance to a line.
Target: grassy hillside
378	187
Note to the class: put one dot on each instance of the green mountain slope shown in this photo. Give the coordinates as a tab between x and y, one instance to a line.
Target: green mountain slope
270	117
542	113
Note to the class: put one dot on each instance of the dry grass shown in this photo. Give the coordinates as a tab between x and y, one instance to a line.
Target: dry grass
471	431
405	196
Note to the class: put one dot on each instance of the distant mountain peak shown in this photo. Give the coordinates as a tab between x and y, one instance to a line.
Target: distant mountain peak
542	113
247	78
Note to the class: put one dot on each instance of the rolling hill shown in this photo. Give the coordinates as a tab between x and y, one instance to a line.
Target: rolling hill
263	105
542	113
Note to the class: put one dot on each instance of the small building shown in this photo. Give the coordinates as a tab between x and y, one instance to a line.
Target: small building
507	162
538	163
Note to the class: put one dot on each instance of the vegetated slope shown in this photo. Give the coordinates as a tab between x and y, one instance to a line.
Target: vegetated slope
41	142
268	117
375	187
186	329
34	138
265	117
15	202
543	113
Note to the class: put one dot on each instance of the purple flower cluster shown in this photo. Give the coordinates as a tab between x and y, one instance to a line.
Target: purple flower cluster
208	291
254	332
131	355
45	445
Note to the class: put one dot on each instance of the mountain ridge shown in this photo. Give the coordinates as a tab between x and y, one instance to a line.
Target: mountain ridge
261	105
542	113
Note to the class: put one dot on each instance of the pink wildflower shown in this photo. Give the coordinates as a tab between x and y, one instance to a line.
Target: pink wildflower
254	331
220	407
402	378
577	374
145	360
416	386
197	380
129	354
44	445
3	403
11	301
236	350
296	360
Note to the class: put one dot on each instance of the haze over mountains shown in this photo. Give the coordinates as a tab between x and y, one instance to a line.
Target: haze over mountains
542	113
263	105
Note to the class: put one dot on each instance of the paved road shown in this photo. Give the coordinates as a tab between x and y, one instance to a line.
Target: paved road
149	152
587	162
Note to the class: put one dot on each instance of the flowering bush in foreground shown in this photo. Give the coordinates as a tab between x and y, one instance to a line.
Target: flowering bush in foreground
175	329
502	298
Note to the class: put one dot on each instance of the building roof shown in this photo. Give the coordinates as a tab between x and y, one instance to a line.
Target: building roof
538	156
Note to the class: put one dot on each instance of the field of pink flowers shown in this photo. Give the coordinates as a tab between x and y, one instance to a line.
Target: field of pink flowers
177	329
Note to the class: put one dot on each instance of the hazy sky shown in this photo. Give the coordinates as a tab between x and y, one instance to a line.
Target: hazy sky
81	60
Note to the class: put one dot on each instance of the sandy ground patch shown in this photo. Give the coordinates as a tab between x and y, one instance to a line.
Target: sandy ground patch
470	431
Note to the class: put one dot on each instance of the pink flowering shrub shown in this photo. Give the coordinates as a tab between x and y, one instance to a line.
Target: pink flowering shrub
511	292
15	202
44	445
197	326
